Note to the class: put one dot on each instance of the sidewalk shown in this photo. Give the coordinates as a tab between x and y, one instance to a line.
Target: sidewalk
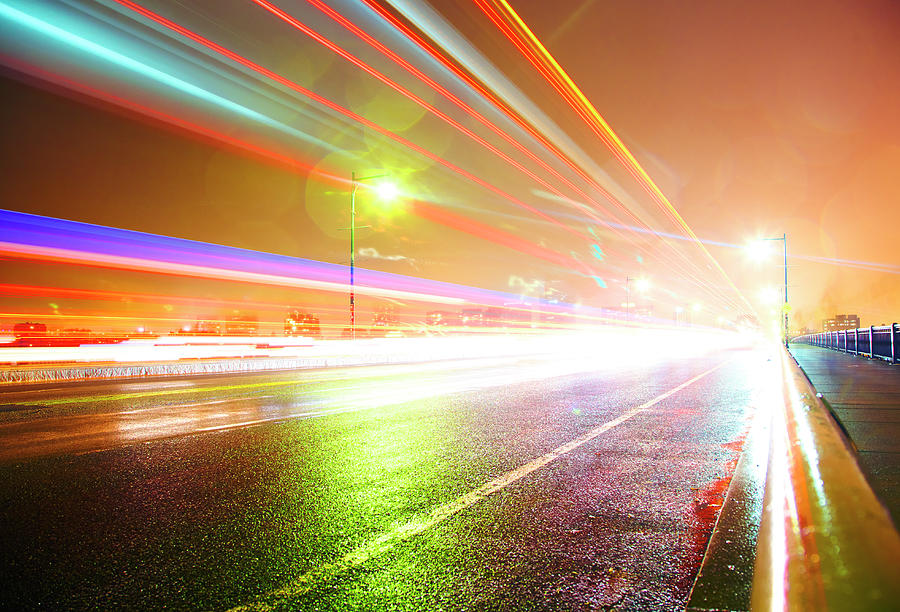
864	396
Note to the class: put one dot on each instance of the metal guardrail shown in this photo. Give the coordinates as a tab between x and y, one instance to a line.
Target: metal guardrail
876	342
825	541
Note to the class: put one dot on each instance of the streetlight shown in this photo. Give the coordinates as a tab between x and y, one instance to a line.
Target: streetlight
758	249
384	190
769	295
642	285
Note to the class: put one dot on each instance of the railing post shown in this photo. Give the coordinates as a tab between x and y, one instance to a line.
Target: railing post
856	342
871	342
845	340
893	332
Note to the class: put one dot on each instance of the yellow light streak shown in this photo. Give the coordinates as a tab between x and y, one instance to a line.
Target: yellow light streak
608	132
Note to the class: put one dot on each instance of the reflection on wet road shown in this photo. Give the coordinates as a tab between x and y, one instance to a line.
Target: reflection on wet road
472	484
110	415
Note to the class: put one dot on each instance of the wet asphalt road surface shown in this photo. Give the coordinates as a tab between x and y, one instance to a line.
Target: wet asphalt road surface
473	485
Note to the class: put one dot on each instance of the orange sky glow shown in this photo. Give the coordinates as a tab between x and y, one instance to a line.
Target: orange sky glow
752	119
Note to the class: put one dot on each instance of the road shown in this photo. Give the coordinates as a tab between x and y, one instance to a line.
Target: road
532	484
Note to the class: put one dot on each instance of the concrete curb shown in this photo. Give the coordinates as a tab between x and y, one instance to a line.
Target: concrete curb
825	540
725	580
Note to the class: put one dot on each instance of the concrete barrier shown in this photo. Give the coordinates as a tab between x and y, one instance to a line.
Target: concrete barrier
825	541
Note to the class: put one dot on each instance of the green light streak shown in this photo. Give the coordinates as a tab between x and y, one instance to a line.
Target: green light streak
82	44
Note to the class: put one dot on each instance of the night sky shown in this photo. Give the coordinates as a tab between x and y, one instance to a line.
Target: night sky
753	118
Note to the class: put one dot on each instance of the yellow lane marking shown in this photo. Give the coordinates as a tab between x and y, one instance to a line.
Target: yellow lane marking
387	541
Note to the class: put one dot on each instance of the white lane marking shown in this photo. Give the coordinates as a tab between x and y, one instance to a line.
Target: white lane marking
285	417
388	540
168	407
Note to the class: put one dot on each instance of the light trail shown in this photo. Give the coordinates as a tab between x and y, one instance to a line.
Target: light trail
695	278
483	231
495	101
118	296
288	162
47	239
474	228
82	44
502	108
349	114
331	46
164	78
336	49
531	48
47	28
293	164
468	109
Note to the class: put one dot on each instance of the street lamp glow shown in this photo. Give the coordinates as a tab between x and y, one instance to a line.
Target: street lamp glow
697	307
642	285
769	295
386	191
759	250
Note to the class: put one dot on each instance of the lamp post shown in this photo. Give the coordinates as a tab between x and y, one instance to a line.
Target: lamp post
783	239
354	185
628	279
642	285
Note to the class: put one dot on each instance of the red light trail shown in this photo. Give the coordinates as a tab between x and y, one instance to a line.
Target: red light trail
205	60
512	115
511	25
345	112
459	222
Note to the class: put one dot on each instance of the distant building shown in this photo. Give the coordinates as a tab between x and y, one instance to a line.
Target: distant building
633	311
839	322
241	325
301	324
472	317
29	330
442	318
76	332
208	327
